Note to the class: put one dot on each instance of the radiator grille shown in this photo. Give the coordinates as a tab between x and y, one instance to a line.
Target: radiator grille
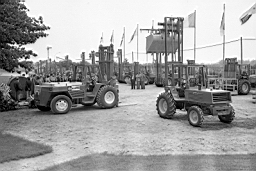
220	97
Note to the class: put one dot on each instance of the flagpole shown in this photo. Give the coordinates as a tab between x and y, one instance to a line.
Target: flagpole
124	43
137	42
195	38
224	39
113	36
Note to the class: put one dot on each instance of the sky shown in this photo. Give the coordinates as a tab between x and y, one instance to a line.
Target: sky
77	26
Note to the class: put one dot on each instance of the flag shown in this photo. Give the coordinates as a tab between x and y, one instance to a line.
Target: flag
112	37
247	15
190	20
134	34
222	24
122	40
101	39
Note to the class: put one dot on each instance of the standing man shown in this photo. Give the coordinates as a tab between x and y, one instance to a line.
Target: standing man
17	88
138	78
132	80
142	80
28	87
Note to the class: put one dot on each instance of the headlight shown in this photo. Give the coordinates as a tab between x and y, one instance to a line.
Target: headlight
70	88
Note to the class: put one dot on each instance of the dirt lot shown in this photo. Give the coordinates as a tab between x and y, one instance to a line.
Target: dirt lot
132	128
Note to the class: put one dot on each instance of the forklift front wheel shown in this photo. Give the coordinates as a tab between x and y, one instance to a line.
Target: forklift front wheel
227	118
165	105
195	116
107	97
61	104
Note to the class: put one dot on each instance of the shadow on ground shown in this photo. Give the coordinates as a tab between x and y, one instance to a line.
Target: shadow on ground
111	162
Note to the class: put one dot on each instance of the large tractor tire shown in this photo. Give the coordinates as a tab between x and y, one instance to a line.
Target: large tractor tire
107	97
43	108
151	80
61	104
165	105
244	87
158	84
227	118
195	116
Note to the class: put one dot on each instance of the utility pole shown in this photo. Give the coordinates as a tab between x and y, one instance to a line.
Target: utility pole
48	58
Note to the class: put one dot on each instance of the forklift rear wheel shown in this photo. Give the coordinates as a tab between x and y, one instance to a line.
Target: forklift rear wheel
165	105
243	87
195	116
61	104
227	118
107	97
43	108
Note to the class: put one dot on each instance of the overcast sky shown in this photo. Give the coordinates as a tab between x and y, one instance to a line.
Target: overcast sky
77	26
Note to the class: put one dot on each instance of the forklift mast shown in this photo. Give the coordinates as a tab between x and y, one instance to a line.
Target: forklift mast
120	64
106	62
165	41
234	70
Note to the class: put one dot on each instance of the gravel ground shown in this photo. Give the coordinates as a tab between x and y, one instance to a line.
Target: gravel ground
133	128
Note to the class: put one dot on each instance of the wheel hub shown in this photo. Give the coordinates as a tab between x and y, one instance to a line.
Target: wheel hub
162	105
109	97
245	87
61	105
193	116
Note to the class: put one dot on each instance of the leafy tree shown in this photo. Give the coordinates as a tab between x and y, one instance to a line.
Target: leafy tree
16	30
28	65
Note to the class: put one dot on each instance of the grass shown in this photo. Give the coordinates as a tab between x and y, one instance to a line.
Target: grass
15	148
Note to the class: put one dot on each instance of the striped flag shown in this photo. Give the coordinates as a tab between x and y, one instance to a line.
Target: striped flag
190	20
122	40
247	15
222	24
134	34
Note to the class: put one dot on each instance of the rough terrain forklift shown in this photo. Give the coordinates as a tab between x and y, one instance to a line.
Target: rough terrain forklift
197	101
234	79
95	87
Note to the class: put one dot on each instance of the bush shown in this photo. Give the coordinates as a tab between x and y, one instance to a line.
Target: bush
6	102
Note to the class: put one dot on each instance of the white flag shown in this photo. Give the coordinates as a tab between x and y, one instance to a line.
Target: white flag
222	24
190	20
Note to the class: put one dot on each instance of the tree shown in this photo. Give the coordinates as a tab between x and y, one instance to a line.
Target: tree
28	65
16	30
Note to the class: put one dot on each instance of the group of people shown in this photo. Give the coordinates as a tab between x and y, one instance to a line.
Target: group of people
139	78
28	87
60	77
